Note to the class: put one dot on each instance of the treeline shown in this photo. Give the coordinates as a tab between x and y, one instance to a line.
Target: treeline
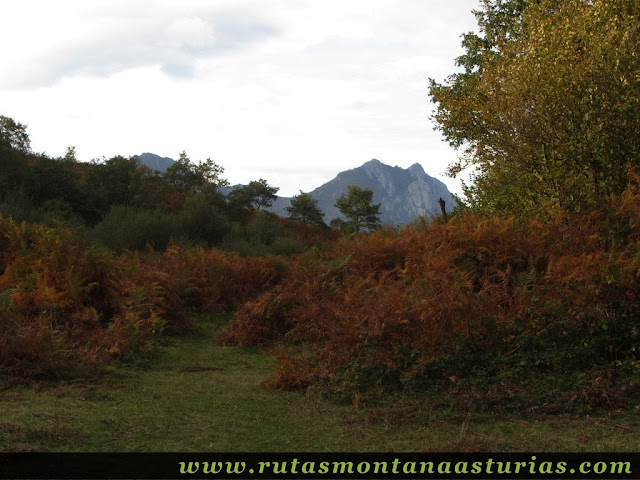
125	205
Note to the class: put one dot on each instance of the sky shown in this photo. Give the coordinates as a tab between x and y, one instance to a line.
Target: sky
293	91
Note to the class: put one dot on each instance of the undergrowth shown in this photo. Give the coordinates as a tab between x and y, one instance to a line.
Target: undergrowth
524	314
484	312
67	307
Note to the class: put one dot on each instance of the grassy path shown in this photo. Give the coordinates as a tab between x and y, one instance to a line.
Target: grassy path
202	397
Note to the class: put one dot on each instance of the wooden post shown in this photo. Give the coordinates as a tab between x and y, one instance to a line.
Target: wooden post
444	211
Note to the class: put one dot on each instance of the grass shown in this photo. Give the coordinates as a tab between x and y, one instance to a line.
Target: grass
199	396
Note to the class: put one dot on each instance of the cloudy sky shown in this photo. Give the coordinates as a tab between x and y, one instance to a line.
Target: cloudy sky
293	91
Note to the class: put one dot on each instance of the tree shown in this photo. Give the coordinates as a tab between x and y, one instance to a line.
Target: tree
150	189
357	208
187	177
14	148
13	135
546	107
305	208
203	221
257	195
113	179
70	155
210	174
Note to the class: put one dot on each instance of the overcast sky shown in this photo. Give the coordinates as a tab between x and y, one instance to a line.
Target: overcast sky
293	91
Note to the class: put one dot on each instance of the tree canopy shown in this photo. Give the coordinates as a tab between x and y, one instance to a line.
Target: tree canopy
305	208
257	195
357	208
186	176
546	107
13	135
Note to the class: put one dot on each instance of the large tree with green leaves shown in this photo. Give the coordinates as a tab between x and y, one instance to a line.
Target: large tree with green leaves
546	105
187	177
113	179
257	195
360	213
13	135
305	209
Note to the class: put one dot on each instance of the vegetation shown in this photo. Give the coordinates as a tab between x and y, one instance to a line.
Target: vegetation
257	195
357	208
68	307
124	205
305	209
186	177
525	303
524	314
546	104
200	396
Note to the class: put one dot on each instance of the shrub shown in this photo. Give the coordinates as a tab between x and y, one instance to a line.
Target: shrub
477	301
203	222
21	208
264	234
64	305
67	306
129	228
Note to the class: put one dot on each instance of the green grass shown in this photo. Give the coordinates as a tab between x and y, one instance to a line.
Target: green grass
199	396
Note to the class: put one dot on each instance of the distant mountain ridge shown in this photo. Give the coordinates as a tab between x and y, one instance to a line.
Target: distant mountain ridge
155	162
404	194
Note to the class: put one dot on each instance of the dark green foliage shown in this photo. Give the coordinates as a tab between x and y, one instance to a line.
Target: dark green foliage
187	177
19	206
357	208
114	179
305	209
126	205
203	221
262	235
130	228
13	135
14	171
257	195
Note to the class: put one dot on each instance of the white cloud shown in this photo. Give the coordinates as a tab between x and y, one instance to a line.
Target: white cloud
103	40
190	31
289	90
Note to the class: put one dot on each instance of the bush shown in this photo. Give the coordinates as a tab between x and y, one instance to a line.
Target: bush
129	228
264	234
203	222
21	208
64	305
478	301
67	306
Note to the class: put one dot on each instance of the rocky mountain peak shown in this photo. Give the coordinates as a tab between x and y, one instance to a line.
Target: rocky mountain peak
416	169
404	194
